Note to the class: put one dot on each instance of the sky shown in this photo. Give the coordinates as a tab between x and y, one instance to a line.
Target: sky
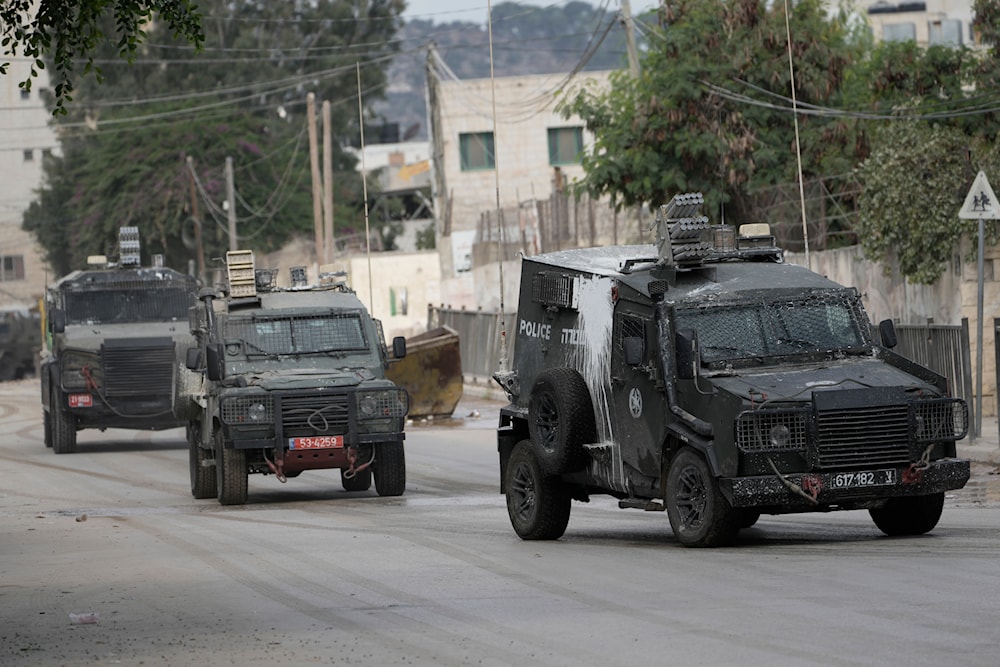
444	11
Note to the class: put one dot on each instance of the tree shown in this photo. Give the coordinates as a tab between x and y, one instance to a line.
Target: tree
125	141
710	111
65	31
914	184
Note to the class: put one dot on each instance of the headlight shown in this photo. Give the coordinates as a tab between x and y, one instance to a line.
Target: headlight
779	436
771	430
248	410
382	404
76	367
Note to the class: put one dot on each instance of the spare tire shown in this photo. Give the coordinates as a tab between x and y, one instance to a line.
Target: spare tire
560	420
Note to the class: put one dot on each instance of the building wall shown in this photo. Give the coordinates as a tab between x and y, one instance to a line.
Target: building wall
927	22
25	140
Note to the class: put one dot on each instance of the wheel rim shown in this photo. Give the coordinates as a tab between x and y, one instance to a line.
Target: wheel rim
547	421
691	498
522	493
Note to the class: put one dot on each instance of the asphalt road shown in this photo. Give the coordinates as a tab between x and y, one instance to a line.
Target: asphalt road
105	558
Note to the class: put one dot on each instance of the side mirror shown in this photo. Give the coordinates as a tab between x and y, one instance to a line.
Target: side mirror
686	344
57	320
634	350
887	333
398	347
215	362
193	359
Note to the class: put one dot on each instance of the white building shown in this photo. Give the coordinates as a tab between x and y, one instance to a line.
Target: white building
25	141
944	22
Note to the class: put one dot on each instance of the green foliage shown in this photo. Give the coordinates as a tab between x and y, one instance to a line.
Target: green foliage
124	144
65	31
680	126
914	185
426	239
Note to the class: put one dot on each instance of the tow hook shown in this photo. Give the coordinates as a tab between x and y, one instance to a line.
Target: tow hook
352	458
811	486
915	472
276	471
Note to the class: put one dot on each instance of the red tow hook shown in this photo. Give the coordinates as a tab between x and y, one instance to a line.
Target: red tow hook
352	458
276	471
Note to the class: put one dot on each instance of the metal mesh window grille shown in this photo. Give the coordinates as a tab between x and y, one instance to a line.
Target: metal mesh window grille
136	303
630	327
552	289
771	431
330	332
821	322
943	419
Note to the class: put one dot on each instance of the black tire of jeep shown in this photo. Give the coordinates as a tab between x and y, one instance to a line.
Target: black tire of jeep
699	515
231	473
47	419
359	481
203	481
910	515
538	504
63	428
560	420
389	469
747	518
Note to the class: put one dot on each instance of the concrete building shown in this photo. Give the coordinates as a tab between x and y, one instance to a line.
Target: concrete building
25	141
943	22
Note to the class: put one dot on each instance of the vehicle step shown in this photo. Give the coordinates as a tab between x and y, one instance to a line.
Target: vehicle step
641	504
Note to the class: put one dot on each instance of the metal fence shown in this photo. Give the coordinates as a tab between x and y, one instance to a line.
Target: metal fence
944	348
479	334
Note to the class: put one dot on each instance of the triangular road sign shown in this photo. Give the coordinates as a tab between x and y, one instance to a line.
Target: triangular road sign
980	202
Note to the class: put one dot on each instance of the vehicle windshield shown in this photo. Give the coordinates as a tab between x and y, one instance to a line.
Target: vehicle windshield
147	302
822	322
328	333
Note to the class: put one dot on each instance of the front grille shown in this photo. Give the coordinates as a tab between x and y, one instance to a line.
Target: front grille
877	435
314	414
771	431
134	367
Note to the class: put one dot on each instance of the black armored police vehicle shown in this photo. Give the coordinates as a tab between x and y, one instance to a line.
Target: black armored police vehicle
705	377
116	336
295	380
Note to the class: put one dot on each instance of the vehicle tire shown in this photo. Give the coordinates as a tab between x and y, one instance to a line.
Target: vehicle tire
909	515
230	473
389	469
203	482
560	420
538	504
63	428
699	515
47	421
359	481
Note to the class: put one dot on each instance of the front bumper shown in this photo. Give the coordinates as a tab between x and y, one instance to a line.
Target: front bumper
769	491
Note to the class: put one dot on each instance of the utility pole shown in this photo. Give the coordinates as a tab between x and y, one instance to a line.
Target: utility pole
327	185
196	216
314	166
633	55
231	205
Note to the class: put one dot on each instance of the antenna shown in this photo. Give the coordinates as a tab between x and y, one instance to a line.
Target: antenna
496	172
364	190
798	147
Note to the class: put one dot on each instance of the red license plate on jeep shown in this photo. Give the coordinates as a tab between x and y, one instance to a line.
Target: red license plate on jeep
316	442
81	401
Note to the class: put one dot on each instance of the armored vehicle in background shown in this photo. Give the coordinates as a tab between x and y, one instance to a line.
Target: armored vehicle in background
20	342
116	337
705	377
295	380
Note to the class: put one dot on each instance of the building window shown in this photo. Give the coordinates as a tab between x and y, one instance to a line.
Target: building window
29	155
11	268
947	32
477	151
899	32
565	145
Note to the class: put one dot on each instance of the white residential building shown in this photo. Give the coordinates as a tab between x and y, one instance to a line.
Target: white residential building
25	141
